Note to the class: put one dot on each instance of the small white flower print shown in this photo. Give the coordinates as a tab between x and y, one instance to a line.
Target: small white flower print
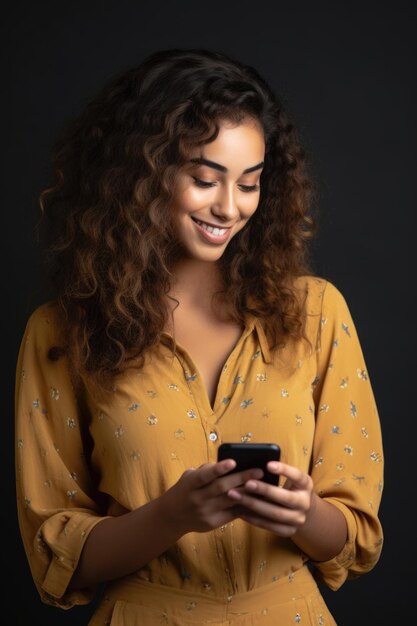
362	374
375	456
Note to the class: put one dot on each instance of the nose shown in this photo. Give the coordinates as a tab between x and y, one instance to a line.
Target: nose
225	207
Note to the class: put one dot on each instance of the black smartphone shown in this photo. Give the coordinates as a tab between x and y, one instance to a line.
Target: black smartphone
250	455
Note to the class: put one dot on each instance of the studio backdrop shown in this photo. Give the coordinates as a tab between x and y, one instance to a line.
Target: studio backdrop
346	74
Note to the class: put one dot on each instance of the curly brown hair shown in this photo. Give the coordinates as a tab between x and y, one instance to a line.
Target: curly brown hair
109	237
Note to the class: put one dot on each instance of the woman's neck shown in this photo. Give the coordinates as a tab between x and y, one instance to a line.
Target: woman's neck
195	282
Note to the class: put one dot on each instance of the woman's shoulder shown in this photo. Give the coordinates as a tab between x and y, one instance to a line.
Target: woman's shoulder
43	321
317	291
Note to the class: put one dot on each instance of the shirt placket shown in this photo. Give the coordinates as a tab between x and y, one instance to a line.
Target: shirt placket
211	424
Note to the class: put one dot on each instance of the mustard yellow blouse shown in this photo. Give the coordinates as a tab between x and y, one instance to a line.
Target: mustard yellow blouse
79	459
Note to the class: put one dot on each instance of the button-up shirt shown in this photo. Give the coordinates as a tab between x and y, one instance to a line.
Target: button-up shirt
84	456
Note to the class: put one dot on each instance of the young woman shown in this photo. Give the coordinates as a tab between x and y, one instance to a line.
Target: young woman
185	315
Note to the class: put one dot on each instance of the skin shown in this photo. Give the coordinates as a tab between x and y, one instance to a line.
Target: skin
227	199
205	498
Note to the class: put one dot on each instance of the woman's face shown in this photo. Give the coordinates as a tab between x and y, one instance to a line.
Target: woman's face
218	190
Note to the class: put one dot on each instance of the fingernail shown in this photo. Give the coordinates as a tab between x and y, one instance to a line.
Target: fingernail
251	484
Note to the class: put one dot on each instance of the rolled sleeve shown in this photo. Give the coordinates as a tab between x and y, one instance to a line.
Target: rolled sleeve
348	457
65	535
55	496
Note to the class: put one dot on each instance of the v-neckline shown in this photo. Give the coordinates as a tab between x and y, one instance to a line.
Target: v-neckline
188	363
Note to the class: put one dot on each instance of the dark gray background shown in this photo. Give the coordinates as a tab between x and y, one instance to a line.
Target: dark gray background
346	72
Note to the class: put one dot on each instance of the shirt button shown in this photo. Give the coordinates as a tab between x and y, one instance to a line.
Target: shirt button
213	436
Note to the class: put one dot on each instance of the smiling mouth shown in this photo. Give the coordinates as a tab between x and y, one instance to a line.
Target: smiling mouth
214	230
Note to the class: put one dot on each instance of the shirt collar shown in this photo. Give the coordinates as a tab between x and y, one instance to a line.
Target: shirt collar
255	323
251	323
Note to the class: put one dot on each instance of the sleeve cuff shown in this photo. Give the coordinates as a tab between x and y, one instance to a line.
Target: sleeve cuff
64	562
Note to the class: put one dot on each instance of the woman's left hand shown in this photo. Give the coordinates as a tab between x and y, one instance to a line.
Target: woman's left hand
281	510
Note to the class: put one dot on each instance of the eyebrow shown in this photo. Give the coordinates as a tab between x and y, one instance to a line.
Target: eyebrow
222	168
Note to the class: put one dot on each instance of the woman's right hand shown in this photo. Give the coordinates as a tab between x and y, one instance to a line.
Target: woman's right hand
198	502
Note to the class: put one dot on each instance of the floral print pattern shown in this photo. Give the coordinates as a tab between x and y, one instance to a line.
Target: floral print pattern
314	399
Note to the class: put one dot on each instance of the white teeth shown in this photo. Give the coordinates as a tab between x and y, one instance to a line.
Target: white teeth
217	232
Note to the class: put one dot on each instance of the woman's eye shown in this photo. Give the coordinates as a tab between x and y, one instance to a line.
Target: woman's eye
205	184
202	183
249	188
